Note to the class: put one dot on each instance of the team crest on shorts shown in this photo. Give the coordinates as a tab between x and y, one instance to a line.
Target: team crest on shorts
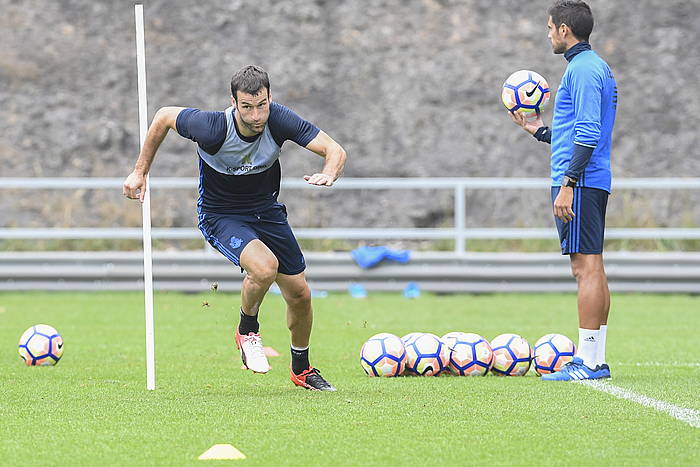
235	242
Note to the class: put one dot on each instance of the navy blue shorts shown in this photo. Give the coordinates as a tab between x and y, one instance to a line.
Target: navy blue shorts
230	233
584	234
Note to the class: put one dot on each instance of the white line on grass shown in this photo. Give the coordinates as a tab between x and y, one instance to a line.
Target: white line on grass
689	416
666	364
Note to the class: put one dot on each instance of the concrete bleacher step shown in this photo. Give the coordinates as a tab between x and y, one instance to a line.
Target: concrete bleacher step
442	272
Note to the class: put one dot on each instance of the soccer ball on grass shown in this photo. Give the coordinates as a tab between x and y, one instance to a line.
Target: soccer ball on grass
383	355
427	355
410	337
41	345
512	355
552	352
471	353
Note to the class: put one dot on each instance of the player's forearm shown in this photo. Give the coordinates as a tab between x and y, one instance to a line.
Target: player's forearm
335	161
155	136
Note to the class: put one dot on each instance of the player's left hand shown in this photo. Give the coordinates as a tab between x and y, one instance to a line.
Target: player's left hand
563	203
531	125
319	179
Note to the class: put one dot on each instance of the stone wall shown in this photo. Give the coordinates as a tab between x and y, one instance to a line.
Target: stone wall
409	88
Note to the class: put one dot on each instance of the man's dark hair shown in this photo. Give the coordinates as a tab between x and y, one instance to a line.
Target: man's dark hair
250	80
575	14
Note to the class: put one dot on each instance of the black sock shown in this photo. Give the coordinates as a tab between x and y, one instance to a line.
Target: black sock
300	360
248	324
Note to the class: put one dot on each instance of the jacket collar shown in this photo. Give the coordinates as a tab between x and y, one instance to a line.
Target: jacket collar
576	49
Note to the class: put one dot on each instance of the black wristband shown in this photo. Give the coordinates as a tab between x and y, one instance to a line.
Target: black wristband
568	181
543	134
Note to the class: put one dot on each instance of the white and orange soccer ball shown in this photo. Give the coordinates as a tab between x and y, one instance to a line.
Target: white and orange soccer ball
41	345
553	351
427	355
525	91
410	337
383	355
471	354
512	355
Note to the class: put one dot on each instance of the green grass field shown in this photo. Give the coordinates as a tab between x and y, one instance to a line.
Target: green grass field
93	407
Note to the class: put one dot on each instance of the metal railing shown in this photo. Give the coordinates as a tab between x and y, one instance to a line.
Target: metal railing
459	233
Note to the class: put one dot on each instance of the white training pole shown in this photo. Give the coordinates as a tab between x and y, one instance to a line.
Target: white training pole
147	257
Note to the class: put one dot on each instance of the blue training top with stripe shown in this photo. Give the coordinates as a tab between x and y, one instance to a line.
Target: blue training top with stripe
239	174
584	115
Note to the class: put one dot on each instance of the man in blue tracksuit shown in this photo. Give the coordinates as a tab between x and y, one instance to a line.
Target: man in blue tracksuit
581	136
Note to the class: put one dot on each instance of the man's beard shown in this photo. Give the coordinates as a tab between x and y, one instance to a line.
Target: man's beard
559	48
251	127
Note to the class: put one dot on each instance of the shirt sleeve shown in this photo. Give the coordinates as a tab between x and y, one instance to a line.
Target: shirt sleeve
586	94
207	129
285	124
579	161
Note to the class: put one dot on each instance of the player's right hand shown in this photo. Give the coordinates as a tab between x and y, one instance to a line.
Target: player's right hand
529	125
319	179
135	186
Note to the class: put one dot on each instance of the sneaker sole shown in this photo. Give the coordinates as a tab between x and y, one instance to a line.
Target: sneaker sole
310	388
254	371
246	365
304	385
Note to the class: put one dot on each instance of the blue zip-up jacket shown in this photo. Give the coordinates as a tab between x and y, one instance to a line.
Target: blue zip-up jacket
584	115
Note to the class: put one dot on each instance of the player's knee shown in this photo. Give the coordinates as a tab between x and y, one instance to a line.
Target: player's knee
299	296
264	272
576	270
582	270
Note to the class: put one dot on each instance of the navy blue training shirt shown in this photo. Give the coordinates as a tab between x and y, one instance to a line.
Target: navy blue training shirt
239	174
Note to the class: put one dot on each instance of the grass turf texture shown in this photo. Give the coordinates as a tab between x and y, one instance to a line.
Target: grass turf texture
93	406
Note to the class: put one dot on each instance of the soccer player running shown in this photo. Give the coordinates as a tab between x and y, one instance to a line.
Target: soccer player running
238	211
581	135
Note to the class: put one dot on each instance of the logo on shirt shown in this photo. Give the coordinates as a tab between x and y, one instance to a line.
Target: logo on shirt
242	169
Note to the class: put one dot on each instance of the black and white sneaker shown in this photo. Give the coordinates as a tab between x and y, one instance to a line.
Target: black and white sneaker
311	379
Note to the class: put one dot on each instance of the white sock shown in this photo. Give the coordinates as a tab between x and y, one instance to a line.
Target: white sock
600	352
587	346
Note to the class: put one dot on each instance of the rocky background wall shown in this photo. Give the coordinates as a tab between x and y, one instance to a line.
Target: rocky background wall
409	88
